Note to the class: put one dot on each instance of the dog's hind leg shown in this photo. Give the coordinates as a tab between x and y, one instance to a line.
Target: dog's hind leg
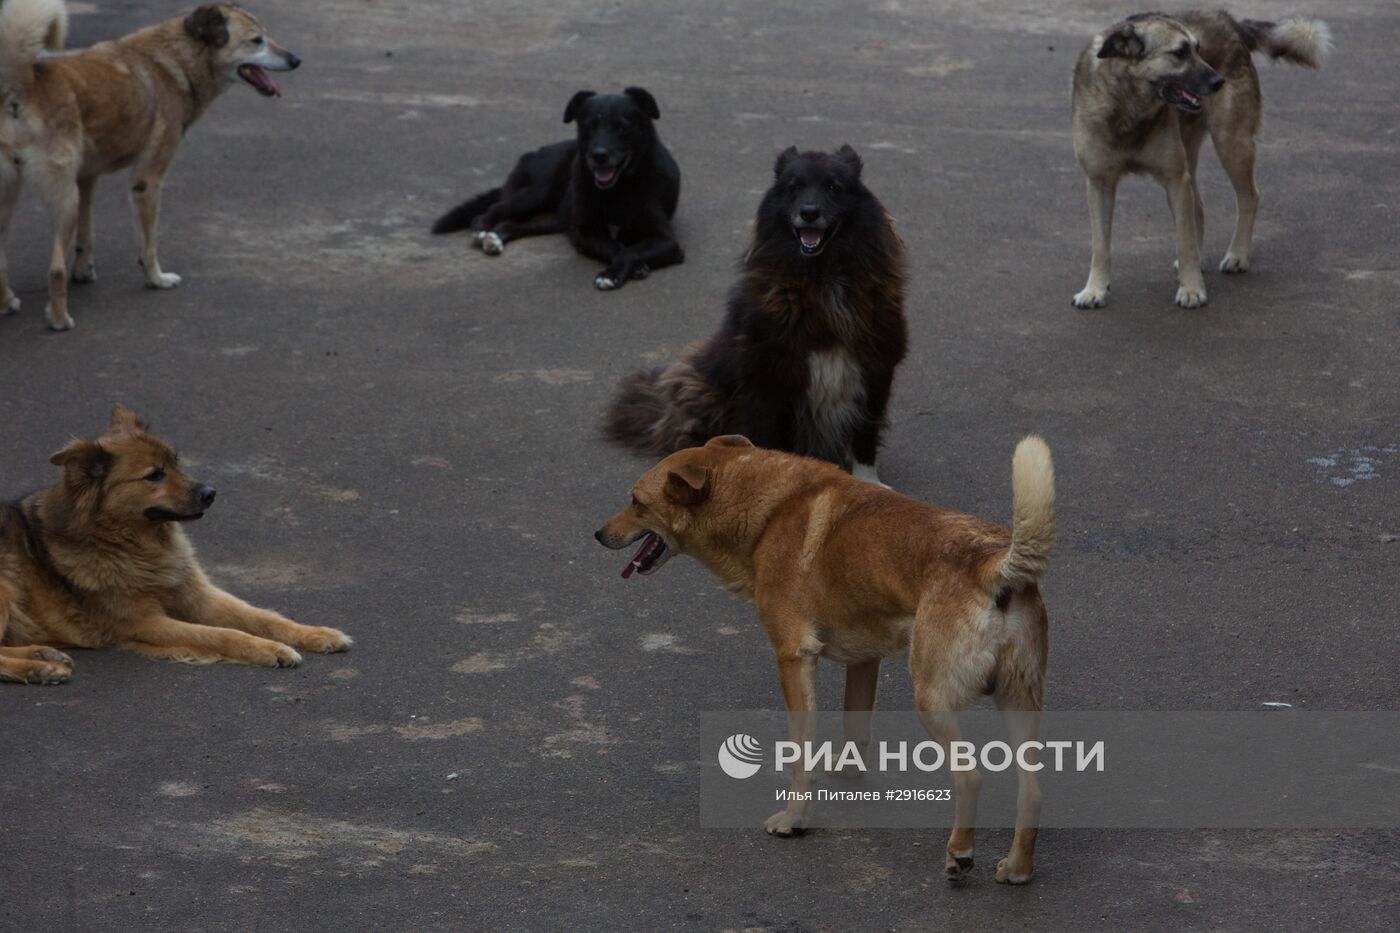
1102	195
9	194
1020	695
492	241
84	263
862	683
60	190
1236	153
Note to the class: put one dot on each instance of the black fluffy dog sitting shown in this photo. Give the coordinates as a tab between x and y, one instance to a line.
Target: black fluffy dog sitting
613	191
805	358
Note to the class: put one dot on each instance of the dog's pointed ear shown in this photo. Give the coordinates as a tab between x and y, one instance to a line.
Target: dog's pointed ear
852	158
729	440
575	102
208	25
85	462
643	99
688	484
1123	42
124	419
784	157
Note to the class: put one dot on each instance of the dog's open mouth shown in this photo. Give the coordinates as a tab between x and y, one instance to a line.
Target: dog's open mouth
648	557
166	515
605	176
811	239
259	80
1180	98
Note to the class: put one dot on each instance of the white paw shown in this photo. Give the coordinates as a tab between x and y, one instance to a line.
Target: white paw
10	305
604	283
65	323
83	276
784	823
1232	264
866	472
1176	265
163	280
477	237
1091	297
491	244
1191	297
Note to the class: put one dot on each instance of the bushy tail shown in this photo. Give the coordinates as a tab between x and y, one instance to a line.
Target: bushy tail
1033	503
1304	42
27	27
461	216
662	410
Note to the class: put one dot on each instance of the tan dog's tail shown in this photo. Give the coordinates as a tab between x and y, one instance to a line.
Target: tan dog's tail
1033	503
1296	41
27	27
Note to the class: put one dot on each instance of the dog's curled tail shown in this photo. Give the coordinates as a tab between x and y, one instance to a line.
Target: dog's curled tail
462	216
27	27
661	410
1033	504
1298	41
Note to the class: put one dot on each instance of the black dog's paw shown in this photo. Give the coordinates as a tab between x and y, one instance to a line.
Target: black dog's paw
640	271
609	280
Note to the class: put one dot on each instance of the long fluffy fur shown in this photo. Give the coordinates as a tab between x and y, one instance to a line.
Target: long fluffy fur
664	409
1033	504
1298	41
28	27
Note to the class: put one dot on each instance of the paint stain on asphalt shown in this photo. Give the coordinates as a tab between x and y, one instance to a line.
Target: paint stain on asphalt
553	377
440	730
1346	466
177	789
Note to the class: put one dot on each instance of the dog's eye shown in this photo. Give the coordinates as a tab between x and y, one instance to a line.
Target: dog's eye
834	188
155	476
258	40
1182	52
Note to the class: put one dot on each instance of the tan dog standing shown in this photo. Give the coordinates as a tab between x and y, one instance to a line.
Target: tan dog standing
100	560
1146	94
847	570
68	119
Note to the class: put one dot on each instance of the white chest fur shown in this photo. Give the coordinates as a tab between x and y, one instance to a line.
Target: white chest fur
834	391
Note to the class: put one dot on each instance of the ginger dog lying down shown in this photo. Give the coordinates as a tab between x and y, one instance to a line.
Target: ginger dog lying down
847	570
100	560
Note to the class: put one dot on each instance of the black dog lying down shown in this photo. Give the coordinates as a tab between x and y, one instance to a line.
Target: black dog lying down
613	191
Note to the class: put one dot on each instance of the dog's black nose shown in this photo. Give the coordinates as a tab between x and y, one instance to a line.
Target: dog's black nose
598	536
293	61
600	156
809	212
1216	83
206	495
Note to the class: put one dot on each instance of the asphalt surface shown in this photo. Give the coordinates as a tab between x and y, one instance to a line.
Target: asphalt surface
403	435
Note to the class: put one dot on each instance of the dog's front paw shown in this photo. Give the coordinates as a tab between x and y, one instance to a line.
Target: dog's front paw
640	271
1007	874
85	274
785	824
279	655
53	655
607	281
956	865
1091	297
162	280
10	305
491	244
1232	264
56	321
322	640
1191	296
46	673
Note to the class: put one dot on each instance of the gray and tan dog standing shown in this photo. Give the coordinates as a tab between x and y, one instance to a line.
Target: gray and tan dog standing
68	119
1146	94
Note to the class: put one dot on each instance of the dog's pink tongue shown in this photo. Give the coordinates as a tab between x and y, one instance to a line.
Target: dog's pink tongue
810	238
261	80
604	175
643	552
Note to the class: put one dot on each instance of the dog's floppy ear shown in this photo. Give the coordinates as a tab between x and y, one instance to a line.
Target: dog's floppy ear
208	25
1123	42
729	440
688	484
124	419
643	99
784	157
852	158
84	461
575	102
